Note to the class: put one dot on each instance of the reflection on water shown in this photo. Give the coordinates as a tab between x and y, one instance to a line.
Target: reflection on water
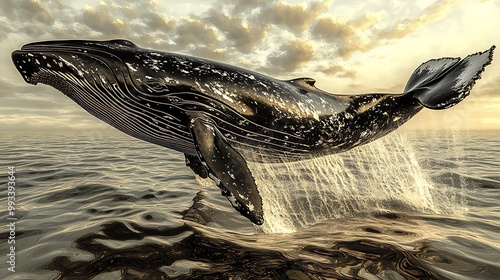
187	252
123	209
198	255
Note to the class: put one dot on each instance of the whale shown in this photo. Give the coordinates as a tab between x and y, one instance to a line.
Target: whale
222	116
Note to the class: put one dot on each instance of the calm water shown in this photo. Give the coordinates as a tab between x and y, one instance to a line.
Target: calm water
101	205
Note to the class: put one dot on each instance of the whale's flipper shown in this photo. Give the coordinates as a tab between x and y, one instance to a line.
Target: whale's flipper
442	83
228	169
196	165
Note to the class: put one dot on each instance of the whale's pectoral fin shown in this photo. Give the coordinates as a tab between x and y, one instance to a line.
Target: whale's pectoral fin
228	169
442	83
196	165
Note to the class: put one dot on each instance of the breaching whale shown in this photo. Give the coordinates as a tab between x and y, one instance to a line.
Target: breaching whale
220	115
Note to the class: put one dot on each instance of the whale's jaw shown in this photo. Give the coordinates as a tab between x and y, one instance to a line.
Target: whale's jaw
26	65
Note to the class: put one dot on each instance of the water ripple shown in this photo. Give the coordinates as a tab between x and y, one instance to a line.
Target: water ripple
110	207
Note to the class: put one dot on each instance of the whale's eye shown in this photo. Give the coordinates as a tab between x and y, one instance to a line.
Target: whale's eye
156	85
174	99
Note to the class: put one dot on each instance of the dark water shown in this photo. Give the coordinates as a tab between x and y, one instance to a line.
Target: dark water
96	205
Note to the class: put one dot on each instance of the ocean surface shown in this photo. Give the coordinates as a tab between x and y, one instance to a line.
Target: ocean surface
102	205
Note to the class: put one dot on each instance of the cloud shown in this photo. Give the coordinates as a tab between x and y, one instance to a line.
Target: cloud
102	20
194	32
27	96
243	35
27	107
296	18
157	22
241	7
37	121
330	29
432	13
124	19
194	36
341	36
33	10
6	29
29	16
488	88
337	70
291	56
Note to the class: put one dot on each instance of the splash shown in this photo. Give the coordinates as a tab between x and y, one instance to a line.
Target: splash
379	177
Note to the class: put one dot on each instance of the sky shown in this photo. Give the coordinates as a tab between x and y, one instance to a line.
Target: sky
348	46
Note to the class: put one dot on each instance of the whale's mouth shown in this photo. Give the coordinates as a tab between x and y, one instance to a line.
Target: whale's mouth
53	63
27	64
66	59
37	62
49	68
56	66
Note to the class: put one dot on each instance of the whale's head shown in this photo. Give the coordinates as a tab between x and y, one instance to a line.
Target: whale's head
76	67
92	67
116	81
74	55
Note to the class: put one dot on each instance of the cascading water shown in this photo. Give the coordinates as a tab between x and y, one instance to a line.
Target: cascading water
382	176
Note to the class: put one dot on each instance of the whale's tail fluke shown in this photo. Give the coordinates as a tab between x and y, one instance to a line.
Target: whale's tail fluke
442	83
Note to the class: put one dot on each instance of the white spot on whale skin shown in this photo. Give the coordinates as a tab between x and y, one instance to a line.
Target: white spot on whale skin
131	67
250	206
170	80
242	197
